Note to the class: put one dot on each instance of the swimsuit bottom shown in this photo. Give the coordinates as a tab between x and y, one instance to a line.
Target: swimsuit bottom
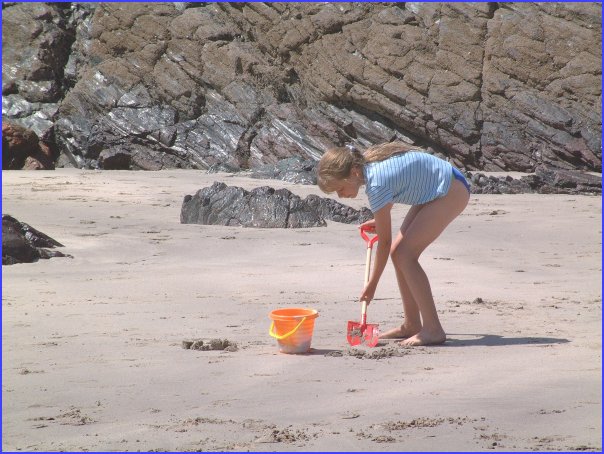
459	176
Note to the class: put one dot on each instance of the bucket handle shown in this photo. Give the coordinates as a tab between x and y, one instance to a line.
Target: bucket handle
278	337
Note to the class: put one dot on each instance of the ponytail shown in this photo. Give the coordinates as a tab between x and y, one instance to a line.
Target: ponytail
386	150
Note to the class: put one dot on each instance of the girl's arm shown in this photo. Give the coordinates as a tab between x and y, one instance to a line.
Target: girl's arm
383	230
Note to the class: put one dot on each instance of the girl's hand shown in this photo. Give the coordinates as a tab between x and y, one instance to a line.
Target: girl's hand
368	293
369	225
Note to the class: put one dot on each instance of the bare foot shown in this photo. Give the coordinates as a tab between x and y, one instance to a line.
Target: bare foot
402	332
425	337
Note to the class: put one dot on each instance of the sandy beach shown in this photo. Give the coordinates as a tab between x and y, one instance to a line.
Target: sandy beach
91	345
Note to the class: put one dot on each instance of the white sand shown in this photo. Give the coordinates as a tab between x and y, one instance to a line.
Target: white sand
92	356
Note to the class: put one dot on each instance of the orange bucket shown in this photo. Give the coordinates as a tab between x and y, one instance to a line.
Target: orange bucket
293	328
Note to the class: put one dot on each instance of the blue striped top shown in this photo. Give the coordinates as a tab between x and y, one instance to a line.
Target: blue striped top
411	178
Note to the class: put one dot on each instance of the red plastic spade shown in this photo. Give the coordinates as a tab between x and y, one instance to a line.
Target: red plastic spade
364	333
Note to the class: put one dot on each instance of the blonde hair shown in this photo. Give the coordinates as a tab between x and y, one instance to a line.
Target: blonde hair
337	163
386	150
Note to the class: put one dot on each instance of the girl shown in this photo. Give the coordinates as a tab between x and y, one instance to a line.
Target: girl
437	192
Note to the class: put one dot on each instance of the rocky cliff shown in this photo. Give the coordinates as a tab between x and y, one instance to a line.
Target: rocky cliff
491	86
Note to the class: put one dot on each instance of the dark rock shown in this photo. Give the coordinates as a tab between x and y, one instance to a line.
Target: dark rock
568	181
22	243
15	248
114	159
546	180
245	85
264	207
335	211
261	207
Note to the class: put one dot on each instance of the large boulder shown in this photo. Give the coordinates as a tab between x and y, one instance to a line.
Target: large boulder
492	86
21	243
265	207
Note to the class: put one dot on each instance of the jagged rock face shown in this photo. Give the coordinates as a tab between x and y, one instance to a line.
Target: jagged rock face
35	49
493	86
21	243
264	207
293	170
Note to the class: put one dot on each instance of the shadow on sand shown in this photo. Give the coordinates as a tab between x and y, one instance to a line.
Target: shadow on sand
494	340
458	340
324	352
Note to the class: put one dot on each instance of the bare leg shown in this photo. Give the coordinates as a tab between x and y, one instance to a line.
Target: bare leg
412	323
427	225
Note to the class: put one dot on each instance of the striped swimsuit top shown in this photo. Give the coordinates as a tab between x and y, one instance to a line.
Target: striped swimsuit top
411	178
